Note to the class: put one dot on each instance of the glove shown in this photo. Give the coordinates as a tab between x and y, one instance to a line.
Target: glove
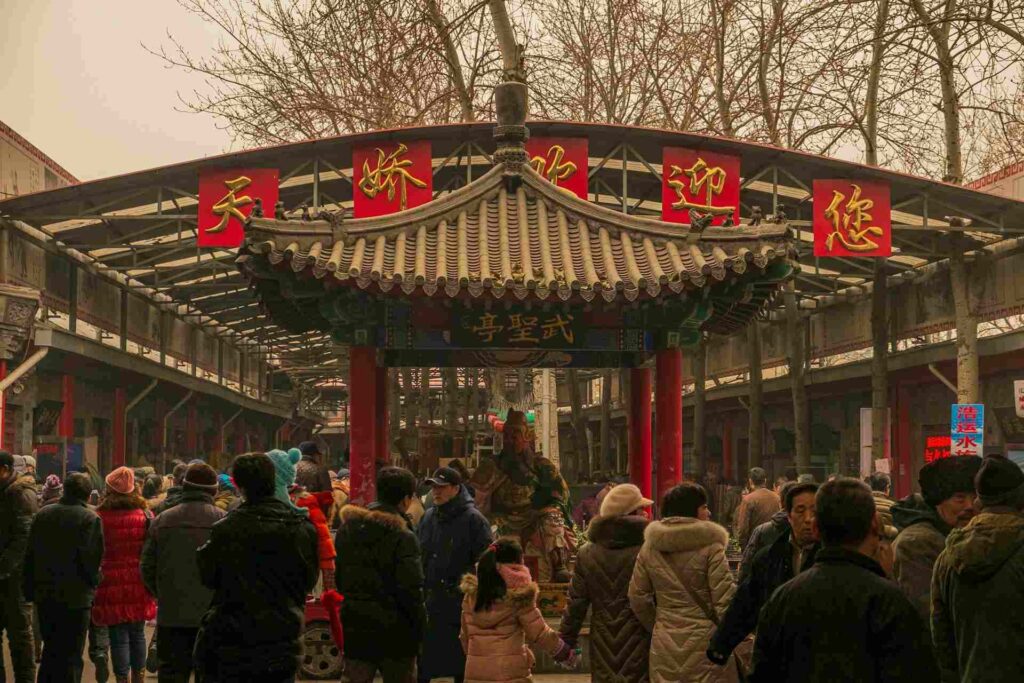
564	652
717	657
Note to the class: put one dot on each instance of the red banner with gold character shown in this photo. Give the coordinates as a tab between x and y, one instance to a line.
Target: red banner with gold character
852	218
227	197
563	161
391	177
699	181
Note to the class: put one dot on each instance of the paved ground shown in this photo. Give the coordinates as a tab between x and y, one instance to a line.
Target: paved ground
89	675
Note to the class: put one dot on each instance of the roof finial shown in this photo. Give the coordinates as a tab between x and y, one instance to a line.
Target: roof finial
511	99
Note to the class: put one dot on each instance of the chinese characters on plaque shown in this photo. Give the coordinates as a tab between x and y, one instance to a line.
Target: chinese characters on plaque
967	429
563	161
699	181
391	177
227	197
517	329
852	218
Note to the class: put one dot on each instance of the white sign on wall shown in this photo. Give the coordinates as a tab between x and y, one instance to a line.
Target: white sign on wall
1018	396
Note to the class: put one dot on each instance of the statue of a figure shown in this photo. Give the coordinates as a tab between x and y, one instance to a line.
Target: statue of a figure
525	497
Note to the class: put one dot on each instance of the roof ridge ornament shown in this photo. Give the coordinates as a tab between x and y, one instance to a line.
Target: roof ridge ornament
511	102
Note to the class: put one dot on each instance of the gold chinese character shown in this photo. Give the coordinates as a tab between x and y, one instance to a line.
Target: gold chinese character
710	179
552	167
848	226
554	326
227	206
487	329
520	328
390	172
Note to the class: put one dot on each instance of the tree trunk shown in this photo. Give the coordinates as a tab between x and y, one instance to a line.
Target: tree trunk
801	416
878	46
451	397
451	58
510	53
579	427
965	308
700	365
607	457
755	435
879	362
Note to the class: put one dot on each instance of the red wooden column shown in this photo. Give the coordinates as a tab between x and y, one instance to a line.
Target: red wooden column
669	400
640	472
3	408
362	392
120	450
383	453
66	424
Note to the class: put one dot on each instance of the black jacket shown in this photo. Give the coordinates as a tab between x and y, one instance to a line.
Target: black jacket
770	568
760	538
451	537
172	498
260	562
169	567
379	572
65	547
841	621
19	501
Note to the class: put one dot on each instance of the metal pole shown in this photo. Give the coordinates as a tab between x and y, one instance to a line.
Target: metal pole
131	404
27	365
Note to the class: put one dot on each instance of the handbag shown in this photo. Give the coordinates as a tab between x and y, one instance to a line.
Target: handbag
741	670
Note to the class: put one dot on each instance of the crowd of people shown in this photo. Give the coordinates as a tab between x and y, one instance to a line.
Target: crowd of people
838	581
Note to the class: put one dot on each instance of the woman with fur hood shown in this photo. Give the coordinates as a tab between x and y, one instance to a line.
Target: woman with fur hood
681	587
500	619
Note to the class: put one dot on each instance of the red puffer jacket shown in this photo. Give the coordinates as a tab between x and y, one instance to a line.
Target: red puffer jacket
121	597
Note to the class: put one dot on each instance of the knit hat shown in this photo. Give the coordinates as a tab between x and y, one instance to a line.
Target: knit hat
942	479
121	480
52	487
200	477
226	482
309	448
623	500
284	468
999	482
29	461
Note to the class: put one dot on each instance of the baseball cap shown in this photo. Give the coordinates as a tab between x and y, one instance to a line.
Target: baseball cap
445	476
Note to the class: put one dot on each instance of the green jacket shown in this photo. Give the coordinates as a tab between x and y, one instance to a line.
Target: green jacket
977	593
922	537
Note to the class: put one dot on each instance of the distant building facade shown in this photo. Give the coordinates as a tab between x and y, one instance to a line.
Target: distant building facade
1006	182
24	168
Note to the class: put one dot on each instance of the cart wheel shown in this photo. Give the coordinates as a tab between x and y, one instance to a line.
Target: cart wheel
321	658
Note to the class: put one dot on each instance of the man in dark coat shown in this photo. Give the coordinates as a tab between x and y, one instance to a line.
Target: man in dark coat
792	551
380	573
311	473
619	642
765	534
171	573
452	534
977	589
174	493
18	503
62	571
842	620
260	563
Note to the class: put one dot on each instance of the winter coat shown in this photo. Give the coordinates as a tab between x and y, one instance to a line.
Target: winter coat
312	476
757	507
619	642
841	621
977	593
171	498
770	568
169	567
122	598
18	503
451	537
762	537
922	537
690	550
495	640
260	563
883	505
62	563
224	499
316	503
380	573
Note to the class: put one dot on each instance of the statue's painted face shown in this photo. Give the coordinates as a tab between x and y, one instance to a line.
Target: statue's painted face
519	437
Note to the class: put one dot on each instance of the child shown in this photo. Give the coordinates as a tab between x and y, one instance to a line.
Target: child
500	618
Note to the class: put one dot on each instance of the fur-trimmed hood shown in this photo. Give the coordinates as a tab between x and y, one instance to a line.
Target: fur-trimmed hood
617	532
680	534
377	515
516	598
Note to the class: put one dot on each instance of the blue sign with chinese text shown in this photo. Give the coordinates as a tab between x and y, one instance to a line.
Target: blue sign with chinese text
967	429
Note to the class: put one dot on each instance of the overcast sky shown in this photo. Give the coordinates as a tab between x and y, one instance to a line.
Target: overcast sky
77	83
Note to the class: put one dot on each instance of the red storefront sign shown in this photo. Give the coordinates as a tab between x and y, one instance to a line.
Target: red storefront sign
227	197
701	181
563	161
852	218
936	448
391	177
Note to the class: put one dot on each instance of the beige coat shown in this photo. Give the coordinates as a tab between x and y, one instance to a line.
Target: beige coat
757	507
495	640
680	629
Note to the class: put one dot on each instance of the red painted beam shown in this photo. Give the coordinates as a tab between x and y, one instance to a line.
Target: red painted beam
669	400
640	468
